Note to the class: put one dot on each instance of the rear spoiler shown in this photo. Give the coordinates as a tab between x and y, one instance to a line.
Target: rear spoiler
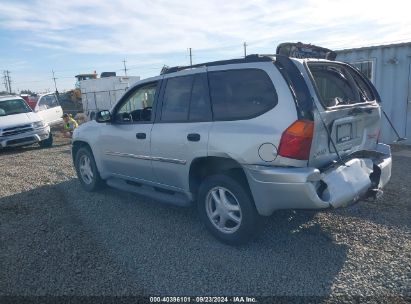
301	50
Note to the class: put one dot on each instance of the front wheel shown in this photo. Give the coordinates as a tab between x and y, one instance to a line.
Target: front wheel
47	143
87	170
227	209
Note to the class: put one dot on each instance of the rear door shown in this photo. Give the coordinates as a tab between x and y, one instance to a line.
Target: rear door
347	106
182	126
408	113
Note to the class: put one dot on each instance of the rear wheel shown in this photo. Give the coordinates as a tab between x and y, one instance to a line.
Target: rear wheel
47	143
227	209
87	170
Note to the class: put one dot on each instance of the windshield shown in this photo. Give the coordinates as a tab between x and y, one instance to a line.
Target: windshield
13	106
339	84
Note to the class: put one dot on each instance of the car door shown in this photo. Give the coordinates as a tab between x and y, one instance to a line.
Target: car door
49	109
180	133
124	143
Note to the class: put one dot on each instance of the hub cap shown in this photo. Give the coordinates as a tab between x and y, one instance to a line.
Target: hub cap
86	171
223	209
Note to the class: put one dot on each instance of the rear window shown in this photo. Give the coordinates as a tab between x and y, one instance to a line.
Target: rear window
241	94
339	84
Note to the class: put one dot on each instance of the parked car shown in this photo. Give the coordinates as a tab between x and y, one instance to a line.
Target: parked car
20	126
241	138
49	109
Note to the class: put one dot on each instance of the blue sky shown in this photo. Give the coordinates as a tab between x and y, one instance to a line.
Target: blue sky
80	36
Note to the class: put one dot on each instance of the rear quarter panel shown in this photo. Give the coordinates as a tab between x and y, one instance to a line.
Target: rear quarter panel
241	139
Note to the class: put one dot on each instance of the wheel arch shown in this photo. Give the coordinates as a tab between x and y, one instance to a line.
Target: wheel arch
76	146
203	167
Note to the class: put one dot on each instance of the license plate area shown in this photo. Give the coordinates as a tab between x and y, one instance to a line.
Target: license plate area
344	133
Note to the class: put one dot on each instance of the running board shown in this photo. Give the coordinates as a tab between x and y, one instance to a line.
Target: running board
158	194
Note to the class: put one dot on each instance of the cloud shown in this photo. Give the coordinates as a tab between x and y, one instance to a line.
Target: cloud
160	27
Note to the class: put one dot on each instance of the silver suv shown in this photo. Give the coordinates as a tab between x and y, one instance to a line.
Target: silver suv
241	138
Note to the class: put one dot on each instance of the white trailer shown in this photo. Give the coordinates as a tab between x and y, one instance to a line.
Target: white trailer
102	93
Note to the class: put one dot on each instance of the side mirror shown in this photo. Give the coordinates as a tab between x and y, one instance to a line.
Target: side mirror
103	116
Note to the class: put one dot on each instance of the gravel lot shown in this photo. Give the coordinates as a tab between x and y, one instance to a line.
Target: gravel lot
56	239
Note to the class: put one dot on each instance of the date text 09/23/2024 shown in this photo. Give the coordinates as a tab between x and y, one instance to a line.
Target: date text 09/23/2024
238	299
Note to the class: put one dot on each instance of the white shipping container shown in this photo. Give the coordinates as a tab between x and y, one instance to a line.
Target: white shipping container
102	93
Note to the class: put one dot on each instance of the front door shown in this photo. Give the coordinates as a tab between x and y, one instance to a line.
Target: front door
180	133
125	142
49	109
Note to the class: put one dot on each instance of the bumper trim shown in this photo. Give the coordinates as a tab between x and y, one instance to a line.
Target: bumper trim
32	137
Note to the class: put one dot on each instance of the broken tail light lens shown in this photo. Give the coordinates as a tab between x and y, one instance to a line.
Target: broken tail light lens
296	140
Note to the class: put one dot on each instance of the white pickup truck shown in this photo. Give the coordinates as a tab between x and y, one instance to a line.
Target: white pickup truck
20	126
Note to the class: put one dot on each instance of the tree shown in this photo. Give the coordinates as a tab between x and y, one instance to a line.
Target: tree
27	92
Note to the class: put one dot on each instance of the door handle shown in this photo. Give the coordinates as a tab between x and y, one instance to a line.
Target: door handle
193	137
141	135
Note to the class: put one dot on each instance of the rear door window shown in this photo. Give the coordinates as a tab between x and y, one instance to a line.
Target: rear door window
241	94
186	98
339	85
200	109
176	99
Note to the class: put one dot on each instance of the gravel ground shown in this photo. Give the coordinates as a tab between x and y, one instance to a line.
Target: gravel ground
56	239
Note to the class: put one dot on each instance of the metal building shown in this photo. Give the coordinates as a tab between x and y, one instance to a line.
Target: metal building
389	68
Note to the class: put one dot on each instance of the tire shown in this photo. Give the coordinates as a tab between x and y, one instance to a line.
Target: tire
87	171
47	143
237	213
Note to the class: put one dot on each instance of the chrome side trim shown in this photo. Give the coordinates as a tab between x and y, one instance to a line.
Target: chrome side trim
128	155
170	160
146	157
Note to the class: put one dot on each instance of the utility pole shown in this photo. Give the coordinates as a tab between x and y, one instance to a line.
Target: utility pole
191	57
6	85
54	79
125	68
245	49
7	81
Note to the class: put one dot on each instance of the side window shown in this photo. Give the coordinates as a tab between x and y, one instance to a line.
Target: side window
241	94
176	99
48	102
200	109
138	105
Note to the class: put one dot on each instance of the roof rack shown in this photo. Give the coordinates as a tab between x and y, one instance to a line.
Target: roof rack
246	59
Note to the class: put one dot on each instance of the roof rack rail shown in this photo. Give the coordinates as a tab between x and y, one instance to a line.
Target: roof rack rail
246	59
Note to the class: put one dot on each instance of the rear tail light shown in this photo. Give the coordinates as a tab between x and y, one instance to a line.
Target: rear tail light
296	140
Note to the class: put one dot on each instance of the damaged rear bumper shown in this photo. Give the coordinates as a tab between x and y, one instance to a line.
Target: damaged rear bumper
276	188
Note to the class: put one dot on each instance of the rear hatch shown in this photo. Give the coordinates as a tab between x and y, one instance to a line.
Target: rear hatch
346	115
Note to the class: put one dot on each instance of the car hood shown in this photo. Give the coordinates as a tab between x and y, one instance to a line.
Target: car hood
18	119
